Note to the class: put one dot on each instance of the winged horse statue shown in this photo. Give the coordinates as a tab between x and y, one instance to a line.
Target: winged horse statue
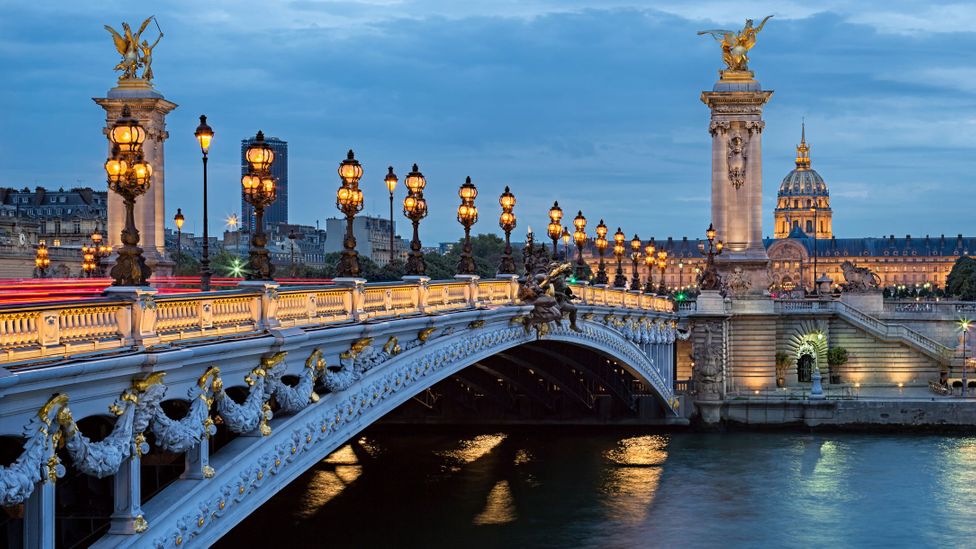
127	45
736	45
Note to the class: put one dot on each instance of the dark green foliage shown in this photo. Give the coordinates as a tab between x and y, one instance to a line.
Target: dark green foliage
837	356
961	281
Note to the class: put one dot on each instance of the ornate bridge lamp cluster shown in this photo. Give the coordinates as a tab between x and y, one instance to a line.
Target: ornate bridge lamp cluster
709	279
102	251
467	215
580	238
41	260
129	175
507	222
650	261
565	236
260	191
619	280
601	248
204	134
88	264
178	219
635	251
662	263
415	208
555	229
349	201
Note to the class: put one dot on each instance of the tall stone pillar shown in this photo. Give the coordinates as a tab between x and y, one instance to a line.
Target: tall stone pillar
150	108
736	102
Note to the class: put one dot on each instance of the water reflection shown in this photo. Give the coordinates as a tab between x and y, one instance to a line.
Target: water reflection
605	489
500	507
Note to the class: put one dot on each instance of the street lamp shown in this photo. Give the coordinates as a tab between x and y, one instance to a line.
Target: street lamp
260	191
662	263
681	267
101	252
649	262
391	183
41	259
467	215
964	327
565	236
709	279
179	219
555	229
507	222
129	175
349	201
601	248
292	235
635	249
619	280
579	237
88	265
204	135
415	208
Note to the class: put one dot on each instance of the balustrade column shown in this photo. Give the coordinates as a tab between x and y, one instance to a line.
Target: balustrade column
197	461
127	484
39	514
356	297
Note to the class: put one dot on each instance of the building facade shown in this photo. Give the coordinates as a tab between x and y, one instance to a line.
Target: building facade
372	238
278	211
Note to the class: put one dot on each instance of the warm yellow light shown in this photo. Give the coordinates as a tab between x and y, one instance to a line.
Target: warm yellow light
390	180
415	180
115	169
555	213
619	237
554	230
601	230
579	221
635	244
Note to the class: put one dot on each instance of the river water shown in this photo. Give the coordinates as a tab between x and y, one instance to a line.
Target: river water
597	488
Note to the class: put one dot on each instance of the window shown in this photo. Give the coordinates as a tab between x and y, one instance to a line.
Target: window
809	203
809	226
796	223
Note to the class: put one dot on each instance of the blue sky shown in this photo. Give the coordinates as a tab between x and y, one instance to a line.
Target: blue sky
595	104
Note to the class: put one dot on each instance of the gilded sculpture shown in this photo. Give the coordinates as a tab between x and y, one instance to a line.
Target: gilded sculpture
135	54
736	45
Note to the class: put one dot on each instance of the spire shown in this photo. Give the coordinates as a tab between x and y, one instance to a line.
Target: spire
802	150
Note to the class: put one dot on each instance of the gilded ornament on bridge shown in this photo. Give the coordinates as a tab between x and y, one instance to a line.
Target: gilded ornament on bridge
392	346
425	334
737	157
735	48
135	54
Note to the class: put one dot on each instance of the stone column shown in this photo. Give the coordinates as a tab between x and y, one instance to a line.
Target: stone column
150	108
736	102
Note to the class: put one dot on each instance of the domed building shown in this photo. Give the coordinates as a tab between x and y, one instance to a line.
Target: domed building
803	201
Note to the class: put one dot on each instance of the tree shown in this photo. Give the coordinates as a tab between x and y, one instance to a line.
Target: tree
961	281
487	250
185	265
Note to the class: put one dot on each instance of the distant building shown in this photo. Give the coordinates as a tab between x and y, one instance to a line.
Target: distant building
372	238
278	211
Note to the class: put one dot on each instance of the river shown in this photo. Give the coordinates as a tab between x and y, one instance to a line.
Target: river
561	487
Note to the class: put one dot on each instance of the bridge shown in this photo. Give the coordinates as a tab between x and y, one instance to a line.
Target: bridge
255	385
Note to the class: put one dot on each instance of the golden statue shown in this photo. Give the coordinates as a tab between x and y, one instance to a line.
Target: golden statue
736	46
134	54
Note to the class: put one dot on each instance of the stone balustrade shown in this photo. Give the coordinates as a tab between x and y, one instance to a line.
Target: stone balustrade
53	331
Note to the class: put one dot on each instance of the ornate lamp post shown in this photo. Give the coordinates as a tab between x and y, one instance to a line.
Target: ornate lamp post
635	249
101	252
709	279
204	135
649	262
292	235
260	191
555	230
391	183
129	176
619	280
601	247
349	200
964	327
41	259
415	208
467	215
507	222
579	237
565	236
681	267
178	219
662	263
88	260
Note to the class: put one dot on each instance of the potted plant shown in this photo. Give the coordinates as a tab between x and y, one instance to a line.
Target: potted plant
836	357
783	363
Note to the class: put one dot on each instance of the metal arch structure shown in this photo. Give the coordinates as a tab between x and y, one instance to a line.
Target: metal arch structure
362	370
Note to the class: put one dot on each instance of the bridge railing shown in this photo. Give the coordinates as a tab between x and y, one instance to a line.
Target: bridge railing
60	330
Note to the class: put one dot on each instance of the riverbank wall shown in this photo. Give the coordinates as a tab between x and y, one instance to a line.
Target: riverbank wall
860	414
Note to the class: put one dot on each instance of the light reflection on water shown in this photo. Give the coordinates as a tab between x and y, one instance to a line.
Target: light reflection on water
610	489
